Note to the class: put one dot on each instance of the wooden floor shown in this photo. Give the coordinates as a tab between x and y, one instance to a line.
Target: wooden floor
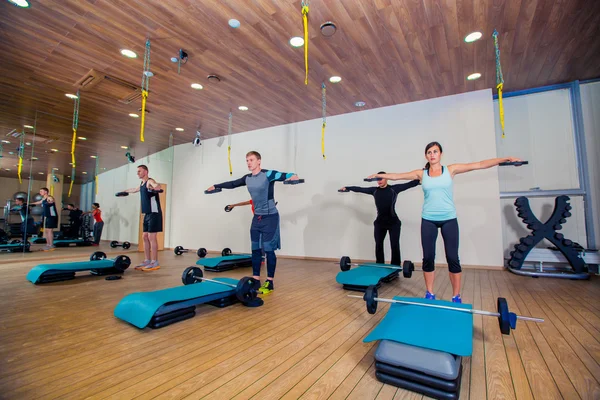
62	341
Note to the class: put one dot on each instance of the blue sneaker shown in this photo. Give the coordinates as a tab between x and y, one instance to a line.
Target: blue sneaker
457	299
429	296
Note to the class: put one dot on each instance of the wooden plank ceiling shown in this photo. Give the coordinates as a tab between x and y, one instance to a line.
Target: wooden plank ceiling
386	51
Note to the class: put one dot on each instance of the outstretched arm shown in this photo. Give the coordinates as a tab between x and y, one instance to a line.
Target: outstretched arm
273	175
401	187
230	184
132	190
403	176
456	169
358	189
243	203
153	185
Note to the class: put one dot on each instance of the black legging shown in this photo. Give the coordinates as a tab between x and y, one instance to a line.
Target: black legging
381	231
429	232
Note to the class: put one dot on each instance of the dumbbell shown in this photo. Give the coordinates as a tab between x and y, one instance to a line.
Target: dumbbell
179	250
295	182
124	245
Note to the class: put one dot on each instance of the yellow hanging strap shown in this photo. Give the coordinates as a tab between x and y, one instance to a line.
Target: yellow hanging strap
324	104
499	80
144	97
96	174
145	83
305	21
21	153
229	145
74	140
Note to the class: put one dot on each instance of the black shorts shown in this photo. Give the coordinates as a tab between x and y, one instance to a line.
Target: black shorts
50	222
153	223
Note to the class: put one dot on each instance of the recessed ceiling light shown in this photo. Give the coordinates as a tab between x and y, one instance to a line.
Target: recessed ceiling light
34	158
296	41
471	37
54	169
85	173
124	147
474	76
81	138
179	129
335	79
71	96
28	143
11	153
93	156
20	3
28	126
6	141
54	150
70	163
234	23
360	104
128	53
197	86
40	173
243	108
7	169
134	115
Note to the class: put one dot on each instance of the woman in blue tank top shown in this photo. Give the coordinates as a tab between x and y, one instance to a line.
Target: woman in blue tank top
439	211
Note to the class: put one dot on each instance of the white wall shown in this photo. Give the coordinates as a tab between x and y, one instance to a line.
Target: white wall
316	220
121	215
590	100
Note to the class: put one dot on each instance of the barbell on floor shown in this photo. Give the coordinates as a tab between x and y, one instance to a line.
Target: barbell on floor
407	266
179	250
245	290
506	319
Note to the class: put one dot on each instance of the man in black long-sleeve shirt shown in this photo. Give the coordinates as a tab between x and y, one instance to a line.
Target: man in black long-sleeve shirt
387	220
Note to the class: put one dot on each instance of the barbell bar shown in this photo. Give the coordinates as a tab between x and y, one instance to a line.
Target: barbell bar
179	250
407	266
506	319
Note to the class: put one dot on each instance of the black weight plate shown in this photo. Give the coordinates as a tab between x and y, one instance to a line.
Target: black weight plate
226	252
114	244
407	268
189	274
98	255
504	318
122	263
345	263
201	252
126	245
178	251
246	289
369	298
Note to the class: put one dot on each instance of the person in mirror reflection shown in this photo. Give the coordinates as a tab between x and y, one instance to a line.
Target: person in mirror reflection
153	220
50	218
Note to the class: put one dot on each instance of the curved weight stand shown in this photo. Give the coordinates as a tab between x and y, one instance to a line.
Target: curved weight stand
548	231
